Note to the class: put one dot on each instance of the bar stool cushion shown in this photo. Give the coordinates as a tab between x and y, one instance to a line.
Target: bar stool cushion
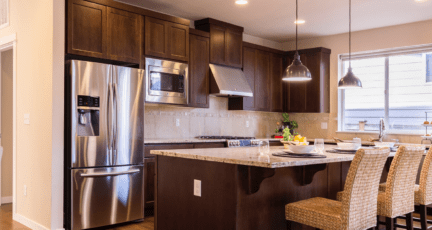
325	213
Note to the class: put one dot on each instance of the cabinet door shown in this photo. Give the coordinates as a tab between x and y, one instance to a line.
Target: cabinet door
199	71
178	42
234	45
149	185
124	36
262	80
297	91
276	83
148	148
87	29
217	45
156	37
249	71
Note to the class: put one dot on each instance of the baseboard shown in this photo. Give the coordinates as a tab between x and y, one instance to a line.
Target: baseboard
6	200
27	222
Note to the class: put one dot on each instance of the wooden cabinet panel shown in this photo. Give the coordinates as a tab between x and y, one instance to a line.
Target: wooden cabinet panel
249	71
311	96
149	185
166	40
234	45
87	29
276	83
226	42
156	37
262	78
124	36
178	42
199	71
217	45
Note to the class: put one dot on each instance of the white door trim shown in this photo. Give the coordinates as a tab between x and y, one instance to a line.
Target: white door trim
7	43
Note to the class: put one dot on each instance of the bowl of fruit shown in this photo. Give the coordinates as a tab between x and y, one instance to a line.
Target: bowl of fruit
298	144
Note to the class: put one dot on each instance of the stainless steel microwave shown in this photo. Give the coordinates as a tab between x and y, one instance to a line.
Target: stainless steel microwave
166	81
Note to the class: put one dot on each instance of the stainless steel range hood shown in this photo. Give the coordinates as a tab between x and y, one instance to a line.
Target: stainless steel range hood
228	82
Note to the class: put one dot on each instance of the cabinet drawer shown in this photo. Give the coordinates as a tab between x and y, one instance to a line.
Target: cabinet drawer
210	145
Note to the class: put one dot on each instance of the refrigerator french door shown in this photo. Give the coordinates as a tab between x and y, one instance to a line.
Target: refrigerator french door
105	149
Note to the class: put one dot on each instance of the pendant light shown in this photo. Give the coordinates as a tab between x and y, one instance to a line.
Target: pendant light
297	71
350	80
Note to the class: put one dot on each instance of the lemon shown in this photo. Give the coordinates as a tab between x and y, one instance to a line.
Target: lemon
298	138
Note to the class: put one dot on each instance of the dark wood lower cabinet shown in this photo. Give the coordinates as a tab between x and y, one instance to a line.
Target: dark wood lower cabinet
149	186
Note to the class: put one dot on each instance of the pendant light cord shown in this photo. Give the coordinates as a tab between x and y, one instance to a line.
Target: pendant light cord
350	34
297	24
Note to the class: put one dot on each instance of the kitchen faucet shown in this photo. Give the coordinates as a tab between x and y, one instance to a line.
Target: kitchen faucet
381	131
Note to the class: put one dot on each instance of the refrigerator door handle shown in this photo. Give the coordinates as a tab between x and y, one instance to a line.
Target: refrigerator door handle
105	174
115	111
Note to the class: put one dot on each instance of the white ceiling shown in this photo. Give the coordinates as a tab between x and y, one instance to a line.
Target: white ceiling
274	19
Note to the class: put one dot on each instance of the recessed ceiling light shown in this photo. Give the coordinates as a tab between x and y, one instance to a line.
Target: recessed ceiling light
421	1
241	2
299	21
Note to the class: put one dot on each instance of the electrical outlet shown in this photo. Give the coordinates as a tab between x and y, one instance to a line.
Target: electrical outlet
323	125
177	122
197	188
25	190
247	124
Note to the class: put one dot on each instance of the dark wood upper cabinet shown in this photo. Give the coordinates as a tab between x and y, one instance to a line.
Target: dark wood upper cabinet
262	91
199	69
257	69
124	36
87	29
226	42
312	96
276	70
165	39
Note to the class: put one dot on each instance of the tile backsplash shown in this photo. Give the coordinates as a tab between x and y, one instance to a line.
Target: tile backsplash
160	121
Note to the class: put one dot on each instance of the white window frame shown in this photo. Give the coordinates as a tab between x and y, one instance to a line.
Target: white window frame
4	25
386	53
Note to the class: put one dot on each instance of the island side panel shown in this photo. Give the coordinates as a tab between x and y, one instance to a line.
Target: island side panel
265	209
176	205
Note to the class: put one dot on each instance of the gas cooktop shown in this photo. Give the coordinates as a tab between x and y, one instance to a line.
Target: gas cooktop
226	137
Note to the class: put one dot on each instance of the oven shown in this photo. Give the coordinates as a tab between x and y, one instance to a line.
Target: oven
166	81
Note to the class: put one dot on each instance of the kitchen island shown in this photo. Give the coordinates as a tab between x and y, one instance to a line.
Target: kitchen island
239	188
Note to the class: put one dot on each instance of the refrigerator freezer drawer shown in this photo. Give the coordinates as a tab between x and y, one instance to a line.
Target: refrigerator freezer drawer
106	196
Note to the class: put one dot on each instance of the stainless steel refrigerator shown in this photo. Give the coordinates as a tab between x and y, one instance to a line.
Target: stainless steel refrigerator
104	131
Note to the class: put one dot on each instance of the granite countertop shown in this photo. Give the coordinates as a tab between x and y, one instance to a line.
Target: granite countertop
250	156
191	140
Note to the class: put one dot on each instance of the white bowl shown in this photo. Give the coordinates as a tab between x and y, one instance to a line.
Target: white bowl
384	144
348	145
301	148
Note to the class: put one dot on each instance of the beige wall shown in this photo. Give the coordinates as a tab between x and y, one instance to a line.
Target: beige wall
32	21
160	121
383	38
6	121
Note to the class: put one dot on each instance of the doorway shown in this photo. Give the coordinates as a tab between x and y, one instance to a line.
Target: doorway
6	125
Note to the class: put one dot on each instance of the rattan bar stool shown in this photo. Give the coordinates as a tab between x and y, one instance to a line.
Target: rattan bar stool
422	191
398	198
358	207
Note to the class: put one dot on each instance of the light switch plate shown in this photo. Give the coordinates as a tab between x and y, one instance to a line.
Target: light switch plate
247	124
26	119
177	122
197	188
323	125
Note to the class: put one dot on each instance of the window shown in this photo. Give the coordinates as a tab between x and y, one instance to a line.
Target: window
396	86
4	13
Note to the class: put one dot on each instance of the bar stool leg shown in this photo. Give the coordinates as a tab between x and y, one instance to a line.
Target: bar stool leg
288	225
409	221
389	223
423	217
